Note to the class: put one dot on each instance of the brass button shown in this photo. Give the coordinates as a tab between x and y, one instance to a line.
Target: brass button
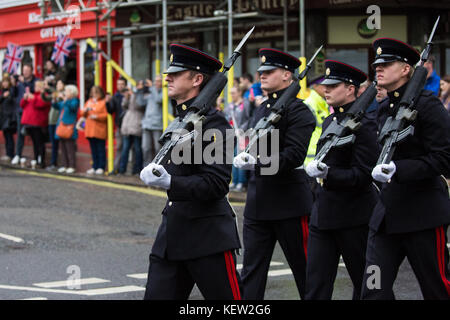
268	105
274	96
341	109
258	156
396	94
391	105
170	203
334	119
184	107
168	161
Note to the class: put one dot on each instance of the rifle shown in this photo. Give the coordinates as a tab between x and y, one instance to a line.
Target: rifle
176	131
266	124
394	130
341	133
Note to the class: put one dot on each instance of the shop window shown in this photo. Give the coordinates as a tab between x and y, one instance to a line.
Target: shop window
89	70
27	59
66	73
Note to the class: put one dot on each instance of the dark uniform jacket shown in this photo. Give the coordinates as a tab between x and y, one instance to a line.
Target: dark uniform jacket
198	220
347	197
287	193
416	198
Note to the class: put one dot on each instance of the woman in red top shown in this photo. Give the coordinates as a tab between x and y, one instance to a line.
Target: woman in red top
35	120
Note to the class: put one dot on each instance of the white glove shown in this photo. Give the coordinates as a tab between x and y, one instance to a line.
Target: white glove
379	175
312	169
150	179
244	161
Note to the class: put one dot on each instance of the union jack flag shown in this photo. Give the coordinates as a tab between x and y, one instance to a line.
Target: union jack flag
13	57
61	50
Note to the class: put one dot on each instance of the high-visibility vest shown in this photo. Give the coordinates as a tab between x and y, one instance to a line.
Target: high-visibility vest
320	110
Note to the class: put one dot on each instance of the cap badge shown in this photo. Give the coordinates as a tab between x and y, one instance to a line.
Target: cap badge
379	51
263	59
328	71
171	58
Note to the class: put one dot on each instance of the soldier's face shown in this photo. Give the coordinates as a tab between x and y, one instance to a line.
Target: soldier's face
182	85
274	80
338	94
391	73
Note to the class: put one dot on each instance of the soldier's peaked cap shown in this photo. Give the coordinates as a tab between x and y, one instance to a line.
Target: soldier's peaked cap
183	57
336	72
389	50
273	58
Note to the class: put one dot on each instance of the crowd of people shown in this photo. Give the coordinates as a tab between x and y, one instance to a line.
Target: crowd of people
43	108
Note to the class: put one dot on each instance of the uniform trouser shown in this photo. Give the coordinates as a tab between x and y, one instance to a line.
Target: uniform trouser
215	276
259	242
324	250
427	254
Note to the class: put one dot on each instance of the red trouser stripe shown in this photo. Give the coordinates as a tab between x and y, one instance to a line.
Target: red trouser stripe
441	247
231	271
305	231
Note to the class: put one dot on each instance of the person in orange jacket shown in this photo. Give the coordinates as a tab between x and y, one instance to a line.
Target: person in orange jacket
96	128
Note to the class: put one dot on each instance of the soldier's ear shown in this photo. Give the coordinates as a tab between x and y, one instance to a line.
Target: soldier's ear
198	79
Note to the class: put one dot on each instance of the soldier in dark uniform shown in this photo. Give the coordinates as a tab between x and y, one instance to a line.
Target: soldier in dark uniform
412	216
197	238
345	201
278	205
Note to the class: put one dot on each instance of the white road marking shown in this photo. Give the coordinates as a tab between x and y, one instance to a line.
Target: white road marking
143	276
56	284
91	292
138	275
272	264
35	298
281	272
12	238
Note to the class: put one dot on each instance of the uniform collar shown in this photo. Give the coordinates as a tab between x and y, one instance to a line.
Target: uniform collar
344	108
273	97
396	95
182	108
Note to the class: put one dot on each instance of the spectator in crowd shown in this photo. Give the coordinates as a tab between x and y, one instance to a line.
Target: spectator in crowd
96	128
381	94
26	80
238	115
35	121
131	132
433	79
68	108
362	88
8	122
50	72
114	107
251	89
444	93
57	96
152	124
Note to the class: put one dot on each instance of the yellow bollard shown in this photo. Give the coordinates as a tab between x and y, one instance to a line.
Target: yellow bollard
110	125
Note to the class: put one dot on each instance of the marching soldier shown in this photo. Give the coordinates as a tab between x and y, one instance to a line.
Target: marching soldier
197	238
344	202
412	215
278	205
